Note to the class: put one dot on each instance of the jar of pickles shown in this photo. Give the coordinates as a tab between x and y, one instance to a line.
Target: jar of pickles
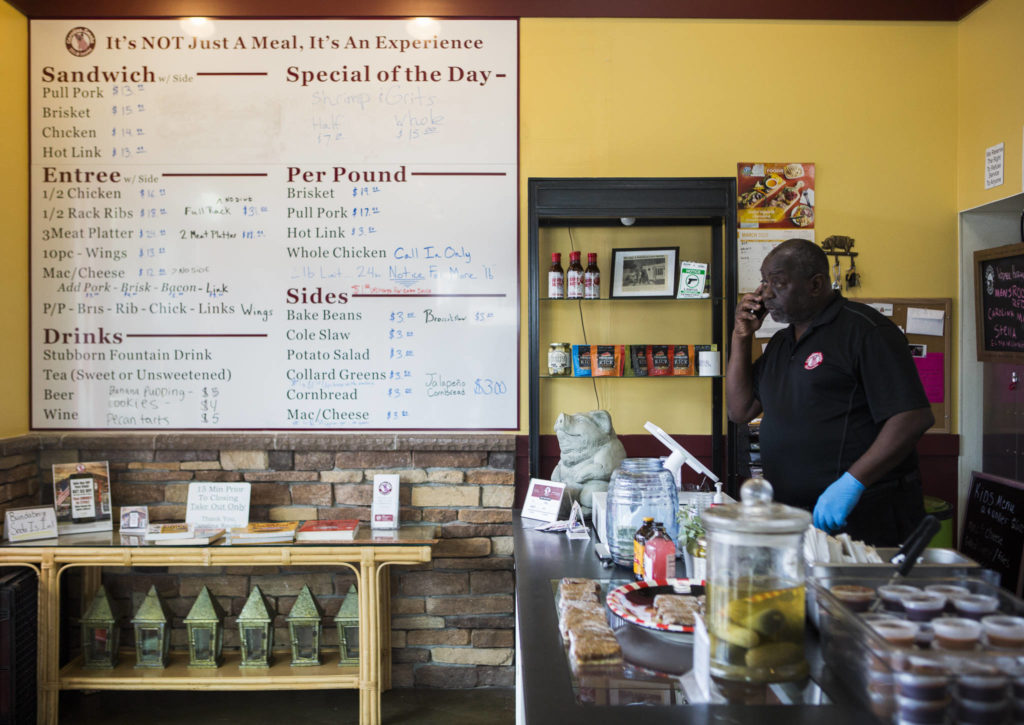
559	359
755	579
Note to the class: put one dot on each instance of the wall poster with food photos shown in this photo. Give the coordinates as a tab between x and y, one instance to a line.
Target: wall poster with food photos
775	202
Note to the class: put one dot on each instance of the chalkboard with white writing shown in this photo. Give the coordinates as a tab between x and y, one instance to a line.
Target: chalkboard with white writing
999	303
993	532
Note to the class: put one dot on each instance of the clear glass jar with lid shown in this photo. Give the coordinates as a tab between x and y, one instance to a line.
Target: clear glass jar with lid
755	596
639	487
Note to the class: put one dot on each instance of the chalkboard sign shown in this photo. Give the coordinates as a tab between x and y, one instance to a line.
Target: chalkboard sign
994	528
999	303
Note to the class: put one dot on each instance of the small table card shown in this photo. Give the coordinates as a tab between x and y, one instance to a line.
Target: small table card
221	505
543	500
28	524
134	519
384	512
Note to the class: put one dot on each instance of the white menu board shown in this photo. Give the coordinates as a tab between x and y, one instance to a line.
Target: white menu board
301	224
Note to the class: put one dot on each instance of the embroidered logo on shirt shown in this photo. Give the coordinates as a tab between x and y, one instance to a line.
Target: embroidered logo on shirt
813	360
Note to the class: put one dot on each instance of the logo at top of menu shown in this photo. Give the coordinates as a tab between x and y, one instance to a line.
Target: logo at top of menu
79	41
990	280
384	487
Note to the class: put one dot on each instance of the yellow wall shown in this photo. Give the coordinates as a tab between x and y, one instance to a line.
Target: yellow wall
14	224
991	99
872	104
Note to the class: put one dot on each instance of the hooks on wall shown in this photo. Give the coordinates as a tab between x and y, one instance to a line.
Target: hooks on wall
840	246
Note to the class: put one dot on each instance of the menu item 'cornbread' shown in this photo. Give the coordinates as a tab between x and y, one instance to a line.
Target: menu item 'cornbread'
576	589
675	609
589	647
575	617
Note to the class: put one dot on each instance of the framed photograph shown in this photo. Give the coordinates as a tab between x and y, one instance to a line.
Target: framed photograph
645	272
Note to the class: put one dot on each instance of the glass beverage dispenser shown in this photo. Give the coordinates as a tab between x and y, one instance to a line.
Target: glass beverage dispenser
755	595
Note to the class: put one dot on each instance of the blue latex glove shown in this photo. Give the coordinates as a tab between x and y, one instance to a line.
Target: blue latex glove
836	502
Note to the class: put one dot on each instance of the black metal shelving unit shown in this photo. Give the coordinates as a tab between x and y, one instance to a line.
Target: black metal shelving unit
700	201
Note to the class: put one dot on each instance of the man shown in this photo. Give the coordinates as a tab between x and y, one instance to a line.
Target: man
843	406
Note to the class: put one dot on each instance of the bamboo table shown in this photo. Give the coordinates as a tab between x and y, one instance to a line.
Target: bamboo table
368	556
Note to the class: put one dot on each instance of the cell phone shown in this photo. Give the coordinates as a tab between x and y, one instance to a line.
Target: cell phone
761	311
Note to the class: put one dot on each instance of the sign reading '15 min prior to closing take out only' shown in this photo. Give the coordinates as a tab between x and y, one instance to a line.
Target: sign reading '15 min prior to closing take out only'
274	225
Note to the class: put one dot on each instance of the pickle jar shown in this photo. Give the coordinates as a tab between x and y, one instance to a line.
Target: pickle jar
755	594
559	359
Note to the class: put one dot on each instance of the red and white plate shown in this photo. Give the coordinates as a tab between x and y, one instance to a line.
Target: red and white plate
634	602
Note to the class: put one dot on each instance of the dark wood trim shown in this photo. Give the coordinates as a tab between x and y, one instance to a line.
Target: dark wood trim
911	10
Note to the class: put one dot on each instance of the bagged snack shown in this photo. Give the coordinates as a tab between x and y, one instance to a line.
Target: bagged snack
638	360
659	360
581	361
683	360
607	360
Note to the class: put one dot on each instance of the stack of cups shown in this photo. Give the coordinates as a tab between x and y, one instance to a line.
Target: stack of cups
922	692
981	694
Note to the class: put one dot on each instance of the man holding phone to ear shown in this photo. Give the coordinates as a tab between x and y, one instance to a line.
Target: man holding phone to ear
841	401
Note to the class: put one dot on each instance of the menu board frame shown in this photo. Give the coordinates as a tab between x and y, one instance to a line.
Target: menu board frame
414	326
986	263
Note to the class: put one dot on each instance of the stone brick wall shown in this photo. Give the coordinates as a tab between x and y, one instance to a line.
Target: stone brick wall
452	619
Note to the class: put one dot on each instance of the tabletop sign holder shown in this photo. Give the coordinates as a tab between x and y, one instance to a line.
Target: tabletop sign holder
384	512
543	500
30	523
218	504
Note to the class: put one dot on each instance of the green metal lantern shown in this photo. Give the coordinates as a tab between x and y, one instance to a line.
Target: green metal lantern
152	640
100	634
305	623
255	631
347	622
205	625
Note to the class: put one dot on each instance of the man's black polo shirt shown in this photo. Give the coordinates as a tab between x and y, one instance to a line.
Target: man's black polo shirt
826	396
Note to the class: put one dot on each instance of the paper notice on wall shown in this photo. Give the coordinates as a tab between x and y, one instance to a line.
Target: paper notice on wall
922	321
213	503
994	166
754	246
931	368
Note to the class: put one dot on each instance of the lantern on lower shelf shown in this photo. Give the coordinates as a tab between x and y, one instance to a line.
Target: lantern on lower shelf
152	640
304	626
205	631
347	621
100	634
255	631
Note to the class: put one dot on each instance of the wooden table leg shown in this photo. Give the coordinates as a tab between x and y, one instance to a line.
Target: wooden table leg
48	658
384	572
369	657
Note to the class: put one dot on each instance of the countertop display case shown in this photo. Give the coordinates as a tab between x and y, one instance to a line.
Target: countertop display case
672	221
551	691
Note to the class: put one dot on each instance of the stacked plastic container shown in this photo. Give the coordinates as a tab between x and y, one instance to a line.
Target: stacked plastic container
926	651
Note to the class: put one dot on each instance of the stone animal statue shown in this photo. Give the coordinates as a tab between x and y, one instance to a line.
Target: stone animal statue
590	451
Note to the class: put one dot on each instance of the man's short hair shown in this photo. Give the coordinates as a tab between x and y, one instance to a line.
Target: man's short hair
803	258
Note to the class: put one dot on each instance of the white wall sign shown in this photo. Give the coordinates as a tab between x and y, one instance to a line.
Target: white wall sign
217	504
256	224
994	166
384	510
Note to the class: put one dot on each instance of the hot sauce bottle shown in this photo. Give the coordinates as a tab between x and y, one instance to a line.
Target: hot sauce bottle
556	281
574	277
659	556
645	531
592	278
